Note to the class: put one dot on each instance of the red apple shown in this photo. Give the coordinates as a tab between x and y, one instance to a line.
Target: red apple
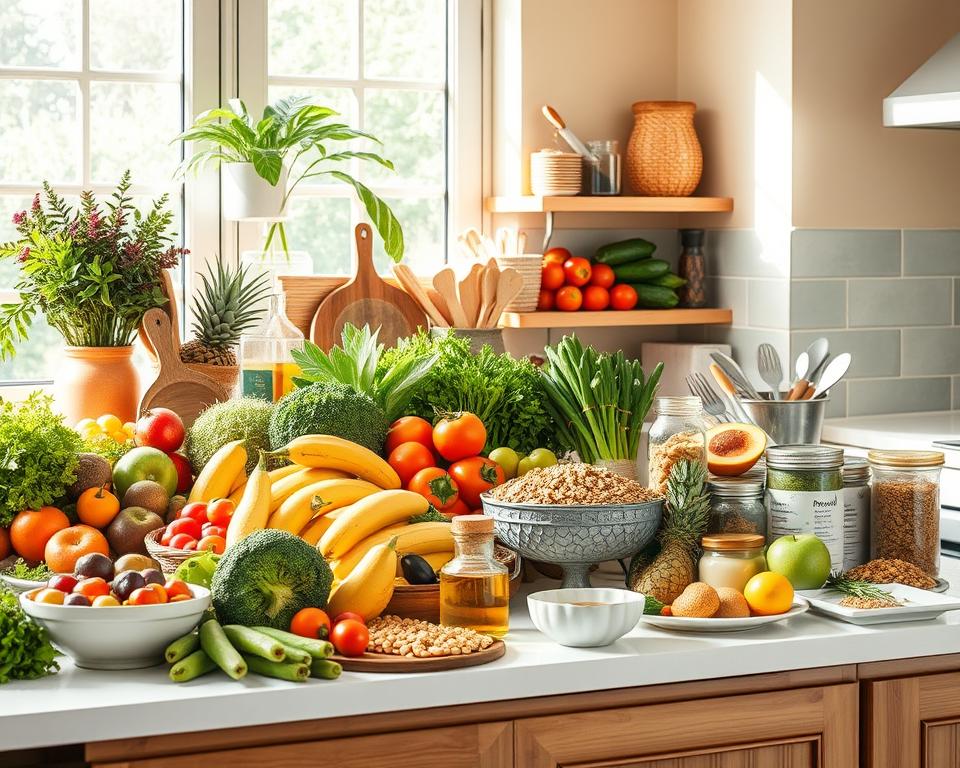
184	471
160	428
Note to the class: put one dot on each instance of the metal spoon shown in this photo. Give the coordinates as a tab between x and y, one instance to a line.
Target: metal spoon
835	370
817	352
768	365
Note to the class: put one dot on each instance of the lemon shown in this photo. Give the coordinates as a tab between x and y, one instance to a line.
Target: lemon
90	431
130	428
768	594
110	423
85	424
120	436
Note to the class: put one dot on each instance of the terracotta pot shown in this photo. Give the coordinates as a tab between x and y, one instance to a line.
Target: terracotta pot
664	158
93	381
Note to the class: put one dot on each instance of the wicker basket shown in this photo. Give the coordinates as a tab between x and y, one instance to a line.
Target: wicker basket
530	267
664	158
225	375
168	557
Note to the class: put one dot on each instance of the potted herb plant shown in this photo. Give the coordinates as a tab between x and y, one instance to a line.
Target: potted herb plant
292	139
92	272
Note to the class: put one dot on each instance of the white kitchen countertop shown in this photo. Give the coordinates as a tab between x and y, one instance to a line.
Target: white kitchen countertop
77	705
914	431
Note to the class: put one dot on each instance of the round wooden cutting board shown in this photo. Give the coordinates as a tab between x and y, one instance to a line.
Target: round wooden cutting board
382	662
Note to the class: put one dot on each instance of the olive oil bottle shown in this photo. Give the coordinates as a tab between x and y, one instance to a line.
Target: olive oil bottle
267	369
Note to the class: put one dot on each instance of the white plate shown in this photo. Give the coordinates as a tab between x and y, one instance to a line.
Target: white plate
20	585
683	624
919	605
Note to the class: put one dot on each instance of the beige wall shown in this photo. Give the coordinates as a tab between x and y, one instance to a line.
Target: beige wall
850	171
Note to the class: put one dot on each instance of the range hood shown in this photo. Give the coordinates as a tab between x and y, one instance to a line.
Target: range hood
930	97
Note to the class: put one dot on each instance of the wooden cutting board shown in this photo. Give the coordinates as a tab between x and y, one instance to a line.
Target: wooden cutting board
366	299
382	662
166	285
176	387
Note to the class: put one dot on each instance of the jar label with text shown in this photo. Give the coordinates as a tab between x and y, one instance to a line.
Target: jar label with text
817	512
856	526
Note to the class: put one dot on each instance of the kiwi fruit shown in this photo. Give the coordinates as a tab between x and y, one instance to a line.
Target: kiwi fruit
147	494
177	503
93	471
733	605
697	601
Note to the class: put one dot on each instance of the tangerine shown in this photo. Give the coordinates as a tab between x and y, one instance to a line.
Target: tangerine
31	530
97	507
769	594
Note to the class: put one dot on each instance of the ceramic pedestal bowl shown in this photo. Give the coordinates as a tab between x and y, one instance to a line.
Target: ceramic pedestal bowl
574	536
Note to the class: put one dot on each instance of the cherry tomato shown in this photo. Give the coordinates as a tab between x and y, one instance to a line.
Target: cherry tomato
595	298
214	530
187	525
219	512
50	596
310	622
409	458
176	587
180	540
62	581
552	276
350	637
142	596
569	298
459	436
474	476
348	615
216	544
191	545
623	297
409	429
546	300
92	587
577	271
436	486
602	275
556	255
196	510
458	507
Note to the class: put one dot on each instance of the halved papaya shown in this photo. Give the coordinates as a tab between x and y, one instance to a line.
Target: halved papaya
733	448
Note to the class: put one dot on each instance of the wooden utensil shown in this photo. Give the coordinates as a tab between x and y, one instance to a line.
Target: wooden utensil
177	387
509	285
445	282
469	292
166	285
366	299
488	293
440	303
412	286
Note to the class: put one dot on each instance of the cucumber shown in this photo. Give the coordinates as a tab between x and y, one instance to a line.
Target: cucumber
182	647
624	251
655	296
250	641
194	665
214	641
325	669
668	281
318	649
641	271
295	673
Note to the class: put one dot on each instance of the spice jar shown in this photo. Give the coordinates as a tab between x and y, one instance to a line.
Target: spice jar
856	512
677	433
736	506
731	559
905	507
805	495
603	174
475	586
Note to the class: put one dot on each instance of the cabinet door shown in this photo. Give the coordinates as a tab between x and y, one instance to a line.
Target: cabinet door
803	728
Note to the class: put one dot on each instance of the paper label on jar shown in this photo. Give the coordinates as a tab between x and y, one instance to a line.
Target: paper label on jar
856	526
817	512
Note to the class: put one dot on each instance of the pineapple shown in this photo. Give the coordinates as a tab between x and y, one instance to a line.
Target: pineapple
222	311
684	522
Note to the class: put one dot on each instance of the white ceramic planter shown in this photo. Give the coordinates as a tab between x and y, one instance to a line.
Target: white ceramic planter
248	197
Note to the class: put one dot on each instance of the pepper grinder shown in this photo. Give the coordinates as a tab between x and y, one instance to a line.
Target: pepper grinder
692	269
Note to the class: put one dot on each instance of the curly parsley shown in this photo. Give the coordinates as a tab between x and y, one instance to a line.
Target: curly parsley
25	651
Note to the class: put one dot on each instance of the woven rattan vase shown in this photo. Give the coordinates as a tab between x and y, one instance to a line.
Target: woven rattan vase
664	158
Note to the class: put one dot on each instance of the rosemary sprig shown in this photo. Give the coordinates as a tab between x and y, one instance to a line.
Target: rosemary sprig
855	588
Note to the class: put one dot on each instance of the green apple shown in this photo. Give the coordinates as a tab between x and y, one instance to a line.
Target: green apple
508	459
524	466
144	464
803	558
541	457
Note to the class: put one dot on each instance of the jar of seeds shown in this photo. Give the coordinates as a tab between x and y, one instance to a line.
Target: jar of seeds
677	433
736	506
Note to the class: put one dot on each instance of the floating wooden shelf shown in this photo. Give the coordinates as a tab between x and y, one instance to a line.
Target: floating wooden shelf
612	204
611	318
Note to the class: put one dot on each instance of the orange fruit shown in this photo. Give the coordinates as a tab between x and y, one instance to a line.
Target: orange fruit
5	546
92	588
97	507
65	547
144	596
159	589
31	530
768	594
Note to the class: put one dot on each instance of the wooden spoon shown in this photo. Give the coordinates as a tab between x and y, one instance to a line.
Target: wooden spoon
440	303
488	293
469	290
411	285
445	282
509	285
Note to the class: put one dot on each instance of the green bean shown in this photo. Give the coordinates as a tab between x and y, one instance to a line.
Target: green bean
295	673
214	641
318	649
250	641
325	669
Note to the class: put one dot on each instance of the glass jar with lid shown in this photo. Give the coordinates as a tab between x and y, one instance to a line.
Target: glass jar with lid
603	173
736	506
905	507
856	512
677	433
731	559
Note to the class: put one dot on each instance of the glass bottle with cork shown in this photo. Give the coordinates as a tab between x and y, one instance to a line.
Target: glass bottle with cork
266	363
474	586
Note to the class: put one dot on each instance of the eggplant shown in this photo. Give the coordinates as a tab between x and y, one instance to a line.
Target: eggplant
416	570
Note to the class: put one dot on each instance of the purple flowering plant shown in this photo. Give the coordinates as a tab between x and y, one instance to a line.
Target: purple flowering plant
92	271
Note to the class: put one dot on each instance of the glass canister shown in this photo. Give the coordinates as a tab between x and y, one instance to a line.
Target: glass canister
905	507
736	506
603	175
805	495
267	369
677	433
731	559
475	586
856	512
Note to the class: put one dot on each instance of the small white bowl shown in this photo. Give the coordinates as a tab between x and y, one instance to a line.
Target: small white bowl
123	637
20	585
555	613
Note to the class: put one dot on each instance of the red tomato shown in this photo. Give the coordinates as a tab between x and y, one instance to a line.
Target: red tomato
459	436
214	530
595	298
184	471
409	458
185	525
350	637
347	615
577	271
623	297
602	275
62	581
310	622
160	428
552	276
546	301
191	546
409	429
180	541
176	587
436	486
556	256
569	298
196	510
216	544
457	508
474	476
219	512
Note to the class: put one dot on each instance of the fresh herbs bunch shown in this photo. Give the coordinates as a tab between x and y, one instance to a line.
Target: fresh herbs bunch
20	570
38	455
93	272
599	400
25	651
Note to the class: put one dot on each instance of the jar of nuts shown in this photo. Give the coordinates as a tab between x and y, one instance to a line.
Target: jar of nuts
905	507
677	433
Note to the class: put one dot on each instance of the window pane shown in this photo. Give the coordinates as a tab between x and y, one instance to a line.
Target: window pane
313	37
135	36
404	40
37	358
40	126
322	227
411	126
131	125
40	33
422	220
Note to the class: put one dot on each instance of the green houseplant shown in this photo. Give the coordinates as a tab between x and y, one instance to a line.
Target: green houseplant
271	149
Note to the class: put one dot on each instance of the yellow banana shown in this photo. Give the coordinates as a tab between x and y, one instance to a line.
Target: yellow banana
313	530
331	452
319	498
239	481
368	589
368	516
416	539
283	488
436	559
254	508
282	472
217	477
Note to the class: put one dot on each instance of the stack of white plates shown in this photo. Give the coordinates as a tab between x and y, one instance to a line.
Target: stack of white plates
555	173
529	265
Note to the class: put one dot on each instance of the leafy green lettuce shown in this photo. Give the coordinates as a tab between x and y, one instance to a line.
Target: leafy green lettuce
25	652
